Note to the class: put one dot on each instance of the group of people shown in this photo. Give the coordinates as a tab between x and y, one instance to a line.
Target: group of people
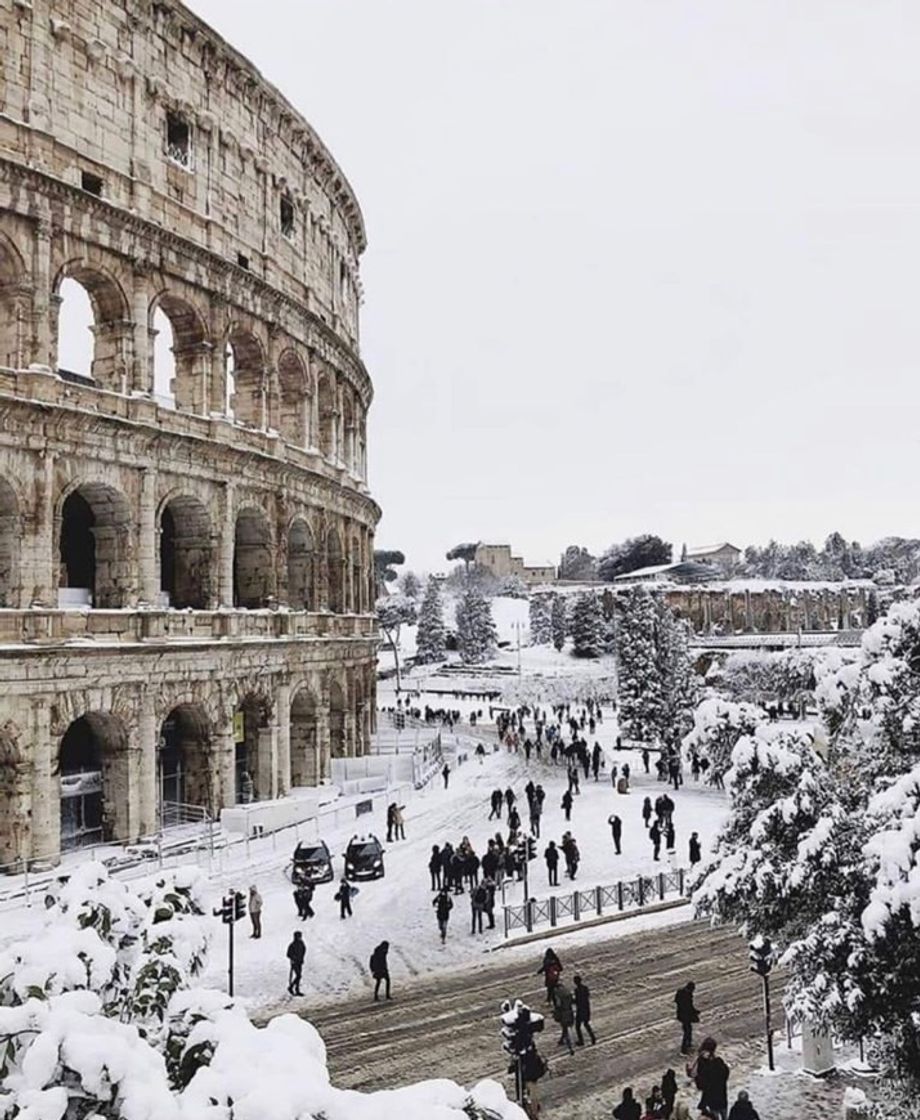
453	871
571	1008
570	853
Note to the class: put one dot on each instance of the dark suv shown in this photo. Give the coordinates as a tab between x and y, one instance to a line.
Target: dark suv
312	864
364	858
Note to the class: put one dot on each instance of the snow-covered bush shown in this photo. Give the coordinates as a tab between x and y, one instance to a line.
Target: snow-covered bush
641	694
99	1021
587	626
476	634
718	725
431	637
541	618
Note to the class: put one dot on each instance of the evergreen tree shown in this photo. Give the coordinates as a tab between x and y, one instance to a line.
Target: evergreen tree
476	634
640	686
587	626
431	638
559	621
679	680
411	585
541	618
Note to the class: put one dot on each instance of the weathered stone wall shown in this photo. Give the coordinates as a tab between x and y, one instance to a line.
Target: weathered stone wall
203	564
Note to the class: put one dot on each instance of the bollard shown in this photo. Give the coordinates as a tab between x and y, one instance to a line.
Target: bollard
661	885
576	908
552	910
641	885
599	900
619	896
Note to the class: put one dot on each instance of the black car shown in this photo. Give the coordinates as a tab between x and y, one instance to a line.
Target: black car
364	858
312	864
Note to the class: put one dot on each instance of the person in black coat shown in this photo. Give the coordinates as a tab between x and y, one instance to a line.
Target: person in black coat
567	804
711	1076
303	897
443	905
654	834
434	867
687	1014
380	969
296	952
616	827
582	997
742	1109
628	1108
669	1090
551	855
694	847
647	810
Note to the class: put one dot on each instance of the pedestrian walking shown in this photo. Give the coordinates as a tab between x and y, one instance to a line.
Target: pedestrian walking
380	969
566	804
564	1014
445	774
391	814
443	905
710	1075
255	913
645	759
303	899
496	801
536	811
670	839
628	1108
399	824
434	867
669	1090
647	811
296	952
687	1015
654	834
616	828
582	997
478	903
509	798
551	968
694	847
343	897
551	856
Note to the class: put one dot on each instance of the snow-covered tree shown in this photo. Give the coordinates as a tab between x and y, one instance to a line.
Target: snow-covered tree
394	612
410	585
541	618
679	681
431	637
559	621
718	726
476	634
641	693
587	626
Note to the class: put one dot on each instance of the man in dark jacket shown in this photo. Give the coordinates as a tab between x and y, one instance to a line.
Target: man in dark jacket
711	1076
654	834
343	897
380	969
567	804
296	952
694	846
551	855
443	905
687	1014
616	828
303	898
742	1109
582	1012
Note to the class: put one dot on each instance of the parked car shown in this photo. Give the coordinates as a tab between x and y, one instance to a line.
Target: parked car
364	858
312	864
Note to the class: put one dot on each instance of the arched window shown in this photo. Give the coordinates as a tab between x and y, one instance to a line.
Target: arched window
186	554
87	764
76	321
300	566
10	537
184	767
96	565
253	571
306	765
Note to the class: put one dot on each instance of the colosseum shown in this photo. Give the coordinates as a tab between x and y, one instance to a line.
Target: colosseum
186	532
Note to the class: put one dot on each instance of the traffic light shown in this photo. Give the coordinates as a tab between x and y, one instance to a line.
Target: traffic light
519	1024
226	909
761	954
239	906
531	848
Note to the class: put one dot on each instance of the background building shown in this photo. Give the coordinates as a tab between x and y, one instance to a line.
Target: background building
499	562
186	533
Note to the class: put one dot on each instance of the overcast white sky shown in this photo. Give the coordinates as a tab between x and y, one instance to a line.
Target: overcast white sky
634	265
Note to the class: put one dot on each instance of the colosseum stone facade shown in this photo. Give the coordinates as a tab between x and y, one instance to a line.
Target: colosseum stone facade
186	532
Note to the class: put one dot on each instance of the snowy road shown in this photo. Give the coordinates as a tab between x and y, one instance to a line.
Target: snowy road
449	1026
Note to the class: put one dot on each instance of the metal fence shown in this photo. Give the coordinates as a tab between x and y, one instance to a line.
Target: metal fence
629	894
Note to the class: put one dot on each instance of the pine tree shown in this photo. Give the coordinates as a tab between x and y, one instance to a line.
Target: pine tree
431	637
640	686
678	678
541	618
587	626
476	634
559	621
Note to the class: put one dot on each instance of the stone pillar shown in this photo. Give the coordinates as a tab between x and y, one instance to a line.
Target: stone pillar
122	791
305	438
148	799
323	767
265	776
148	534
313	440
337	434
223	768
142	373
349	732
39	575
46	789
225	551
283	762
43	354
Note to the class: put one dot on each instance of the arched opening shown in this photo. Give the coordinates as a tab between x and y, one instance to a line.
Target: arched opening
307	768
250	392
300	566
185	554
253	738
14	790
10	537
185	780
95	548
92	328
253	573
15	341
327	416
335	573
180	355
90	761
295	399
337	745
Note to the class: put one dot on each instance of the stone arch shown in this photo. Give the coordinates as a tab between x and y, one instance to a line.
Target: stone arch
185	764
92	780
14	307
328	415
10	545
190	350
301	564
14	799
94	532
253	567
338	705
335	571
186	553
111	327
250	378
307	767
296	399
255	747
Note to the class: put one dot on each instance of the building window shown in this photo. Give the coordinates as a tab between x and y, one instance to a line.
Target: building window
179	140
287	215
91	183
242	261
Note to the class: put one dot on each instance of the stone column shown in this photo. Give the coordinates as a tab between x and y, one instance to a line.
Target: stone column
283	758
148	533
46	789
266	767
225	551
223	768
39	575
349	732
323	768
142	373
148	817
43	354
313	439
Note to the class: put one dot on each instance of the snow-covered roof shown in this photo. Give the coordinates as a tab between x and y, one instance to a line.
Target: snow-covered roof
651	570
708	549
